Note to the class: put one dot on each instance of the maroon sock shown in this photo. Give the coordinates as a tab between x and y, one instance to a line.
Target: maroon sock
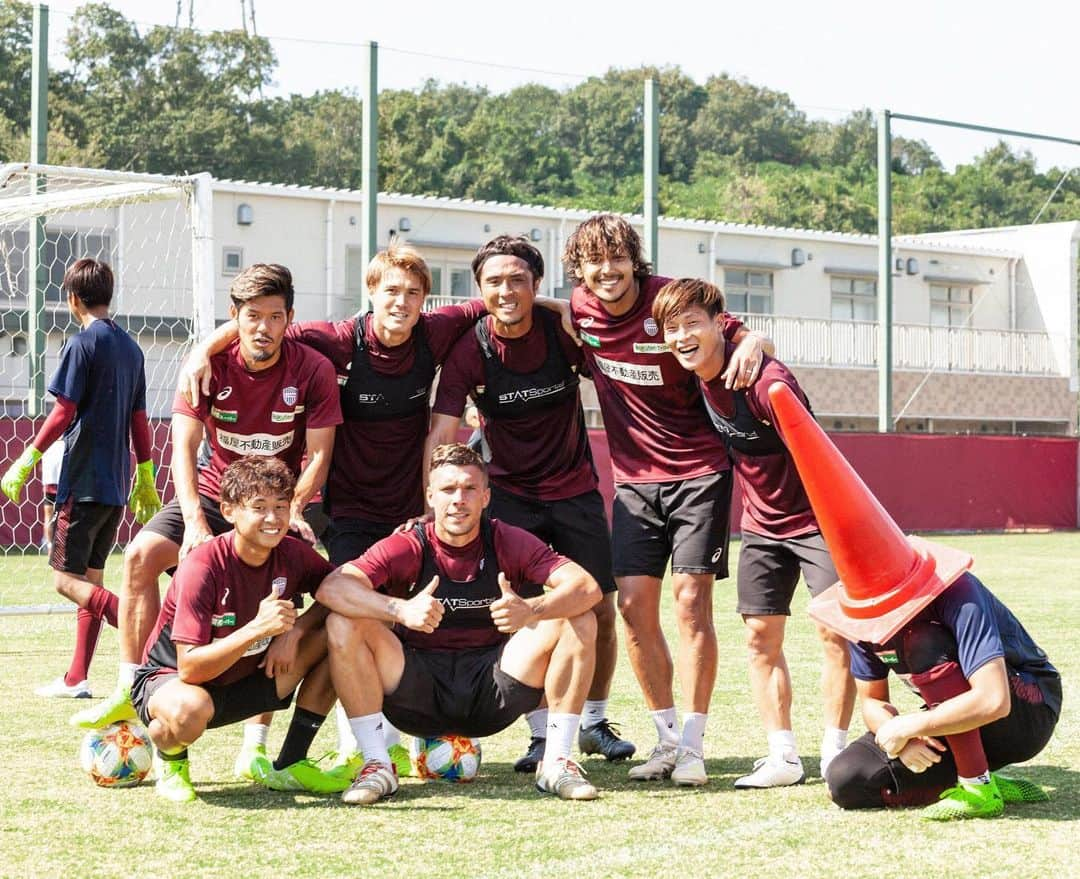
104	604
935	686
87	629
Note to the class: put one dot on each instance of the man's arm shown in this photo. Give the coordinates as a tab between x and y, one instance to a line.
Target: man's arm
917	754
349	592
745	363
197	664
281	654
320	448
570	591
194	378
187	433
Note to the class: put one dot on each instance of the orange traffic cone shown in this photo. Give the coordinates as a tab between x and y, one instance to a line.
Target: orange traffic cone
885	577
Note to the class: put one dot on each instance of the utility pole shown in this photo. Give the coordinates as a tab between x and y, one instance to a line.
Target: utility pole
652	169
38	274
370	162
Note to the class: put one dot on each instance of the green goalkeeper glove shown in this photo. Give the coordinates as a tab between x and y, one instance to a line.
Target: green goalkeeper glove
17	474
144	500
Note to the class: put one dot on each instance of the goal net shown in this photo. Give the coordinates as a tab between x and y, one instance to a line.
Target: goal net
155	232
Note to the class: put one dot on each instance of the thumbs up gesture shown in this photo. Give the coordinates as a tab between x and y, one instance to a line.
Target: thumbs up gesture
510	611
423	612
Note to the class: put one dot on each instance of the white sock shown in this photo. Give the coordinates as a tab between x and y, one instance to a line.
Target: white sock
125	677
667	725
693	731
369	737
561	730
538	722
391	734
833	741
255	734
346	741
978	779
782	745
594	711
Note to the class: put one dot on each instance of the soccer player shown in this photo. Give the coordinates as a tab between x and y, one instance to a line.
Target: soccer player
780	535
672	485
100	391
910	606
521	370
228	643
267	396
467	654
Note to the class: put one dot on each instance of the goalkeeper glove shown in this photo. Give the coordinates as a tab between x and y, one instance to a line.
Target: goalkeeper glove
144	501
17	474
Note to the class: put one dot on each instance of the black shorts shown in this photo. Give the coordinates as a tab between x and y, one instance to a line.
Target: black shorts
769	571
169	520
346	539
457	692
83	535
575	527
232	702
686	520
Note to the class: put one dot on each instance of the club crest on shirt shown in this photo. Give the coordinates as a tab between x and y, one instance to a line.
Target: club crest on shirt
277	586
651	327
224	393
289	395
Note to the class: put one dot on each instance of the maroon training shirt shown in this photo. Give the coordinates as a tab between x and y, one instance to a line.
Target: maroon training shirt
657	427
393	564
543	456
376	470
214	593
263	413
774	500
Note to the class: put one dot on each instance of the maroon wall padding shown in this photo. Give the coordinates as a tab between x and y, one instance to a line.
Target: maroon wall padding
927	483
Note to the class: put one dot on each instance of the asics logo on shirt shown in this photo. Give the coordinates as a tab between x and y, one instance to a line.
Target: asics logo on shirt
224	393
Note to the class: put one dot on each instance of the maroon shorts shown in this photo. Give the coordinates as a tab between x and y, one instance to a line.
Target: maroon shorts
83	535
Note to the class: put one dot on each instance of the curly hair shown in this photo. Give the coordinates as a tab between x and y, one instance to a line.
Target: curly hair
605	235
256	475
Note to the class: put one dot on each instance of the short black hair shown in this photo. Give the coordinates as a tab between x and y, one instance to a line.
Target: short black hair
90	281
509	245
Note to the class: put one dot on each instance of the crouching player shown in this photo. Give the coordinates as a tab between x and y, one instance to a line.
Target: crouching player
468	655
228	643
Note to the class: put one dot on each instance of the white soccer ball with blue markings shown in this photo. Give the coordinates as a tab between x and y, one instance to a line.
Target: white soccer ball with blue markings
119	755
449	758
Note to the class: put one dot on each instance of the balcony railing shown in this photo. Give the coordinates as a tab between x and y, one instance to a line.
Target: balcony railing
816	342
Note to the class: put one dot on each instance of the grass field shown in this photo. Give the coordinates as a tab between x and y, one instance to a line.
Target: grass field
54	822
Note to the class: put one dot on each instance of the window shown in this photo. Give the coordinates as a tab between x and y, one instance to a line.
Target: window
232	260
461	283
950	306
853	299
748	292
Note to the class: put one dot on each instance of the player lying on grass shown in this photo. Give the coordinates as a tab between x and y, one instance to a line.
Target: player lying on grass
467	654
228	643
909	606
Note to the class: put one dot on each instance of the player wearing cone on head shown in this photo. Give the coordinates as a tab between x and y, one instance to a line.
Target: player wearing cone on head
910	606
780	535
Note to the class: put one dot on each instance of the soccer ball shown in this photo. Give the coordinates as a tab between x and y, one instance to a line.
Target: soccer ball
118	755
451	758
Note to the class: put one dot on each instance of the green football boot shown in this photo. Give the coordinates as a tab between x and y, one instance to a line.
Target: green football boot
303	775
399	756
1019	790
247	755
967	801
174	781
115	708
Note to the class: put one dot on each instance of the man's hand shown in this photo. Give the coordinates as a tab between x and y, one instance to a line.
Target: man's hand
194	378
281	655
745	363
409	524
144	501
17	474
510	612
195	534
894	734
423	612
300	525
276	615
919	754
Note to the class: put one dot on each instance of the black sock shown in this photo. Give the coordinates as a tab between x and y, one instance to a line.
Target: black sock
169	758
305	724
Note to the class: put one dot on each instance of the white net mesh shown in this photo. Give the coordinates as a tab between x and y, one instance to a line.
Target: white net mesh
142	226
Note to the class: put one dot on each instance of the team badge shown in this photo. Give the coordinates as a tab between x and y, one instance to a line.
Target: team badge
224	393
278	586
650	327
289	395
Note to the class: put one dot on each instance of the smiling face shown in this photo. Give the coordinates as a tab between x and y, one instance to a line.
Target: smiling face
697	340
260	521
261	322
610	277
509	290
396	303
458	496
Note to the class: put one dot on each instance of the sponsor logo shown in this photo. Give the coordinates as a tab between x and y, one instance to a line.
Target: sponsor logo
531	393
889	657
289	395
282	417
651	348
219	620
254	443
225	595
585	322
258	647
223	414
224	393
651	328
278	586
716	556
453	604
342	380
589	339
480	389
630	373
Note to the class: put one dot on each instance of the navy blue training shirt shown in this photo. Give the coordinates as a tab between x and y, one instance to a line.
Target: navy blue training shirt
101	372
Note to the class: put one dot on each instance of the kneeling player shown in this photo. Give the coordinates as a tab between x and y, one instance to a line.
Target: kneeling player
228	643
468	655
